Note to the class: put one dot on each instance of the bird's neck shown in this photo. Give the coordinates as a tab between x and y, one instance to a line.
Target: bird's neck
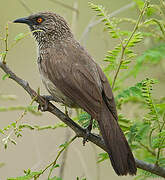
47	40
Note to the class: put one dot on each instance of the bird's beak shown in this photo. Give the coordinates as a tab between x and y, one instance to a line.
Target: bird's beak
23	20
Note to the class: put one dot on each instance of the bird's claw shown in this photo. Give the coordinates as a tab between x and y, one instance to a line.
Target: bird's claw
85	139
44	107
88	131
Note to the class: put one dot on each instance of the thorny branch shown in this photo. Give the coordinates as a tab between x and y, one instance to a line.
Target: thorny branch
79	131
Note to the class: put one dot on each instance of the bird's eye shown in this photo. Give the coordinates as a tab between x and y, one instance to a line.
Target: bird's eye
39	20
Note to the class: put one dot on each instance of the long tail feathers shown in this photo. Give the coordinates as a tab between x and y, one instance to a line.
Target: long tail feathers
119	151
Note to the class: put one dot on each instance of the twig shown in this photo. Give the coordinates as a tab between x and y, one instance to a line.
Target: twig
160	25
7	138
25	111
150	137
148	149
7	97
118	69
59	153
6	43
15	128
80	132
16	108
129	39
40	128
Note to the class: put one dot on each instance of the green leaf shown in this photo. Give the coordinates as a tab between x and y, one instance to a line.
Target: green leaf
5	145
151	11
64	145
19	37
110	24
1	131
138	37
3	54
55	166
151	56
14	142
103	157
140	3
129	92
126	62
5	76
124	123
84	119
160	108
27	177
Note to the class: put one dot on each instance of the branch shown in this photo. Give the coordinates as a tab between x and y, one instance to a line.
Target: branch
160	171
79	131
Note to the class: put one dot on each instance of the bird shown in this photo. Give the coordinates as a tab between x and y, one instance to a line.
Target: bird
74	79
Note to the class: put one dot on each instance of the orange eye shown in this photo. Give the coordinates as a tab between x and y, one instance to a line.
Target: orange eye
39	20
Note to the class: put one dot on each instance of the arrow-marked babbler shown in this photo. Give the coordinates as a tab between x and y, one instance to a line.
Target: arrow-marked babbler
73	78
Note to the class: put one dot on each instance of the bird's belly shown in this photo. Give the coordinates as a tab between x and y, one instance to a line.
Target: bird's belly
57	94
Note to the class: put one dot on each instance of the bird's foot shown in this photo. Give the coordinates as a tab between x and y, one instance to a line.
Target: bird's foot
88	131
85	139
44	107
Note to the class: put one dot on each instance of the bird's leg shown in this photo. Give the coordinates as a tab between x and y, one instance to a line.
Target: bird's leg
88	130
47	99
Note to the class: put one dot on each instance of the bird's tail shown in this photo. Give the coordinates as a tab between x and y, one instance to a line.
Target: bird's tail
119	151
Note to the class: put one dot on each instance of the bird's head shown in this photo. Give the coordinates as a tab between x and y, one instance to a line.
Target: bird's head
47	26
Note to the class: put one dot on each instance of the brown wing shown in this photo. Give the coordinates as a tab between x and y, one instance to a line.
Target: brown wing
71	72
107	93
79	78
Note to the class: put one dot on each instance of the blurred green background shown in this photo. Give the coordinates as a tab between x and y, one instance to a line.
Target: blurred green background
36	149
